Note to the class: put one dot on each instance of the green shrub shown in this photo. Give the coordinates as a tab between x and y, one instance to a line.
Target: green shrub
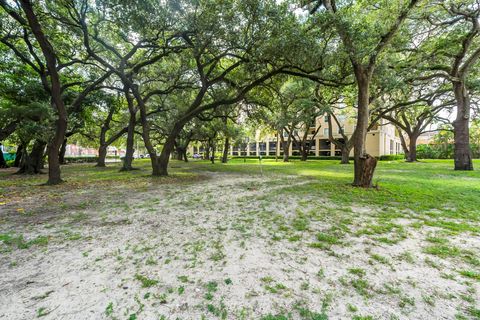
292	157
86	159
392	157
435	151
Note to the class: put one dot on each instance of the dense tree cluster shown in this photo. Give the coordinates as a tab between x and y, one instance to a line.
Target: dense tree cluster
177	72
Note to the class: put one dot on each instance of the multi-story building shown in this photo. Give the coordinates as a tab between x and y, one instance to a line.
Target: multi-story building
383	139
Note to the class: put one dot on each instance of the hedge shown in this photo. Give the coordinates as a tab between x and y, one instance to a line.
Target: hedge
391	157
81	159
292	157
86	159
387	157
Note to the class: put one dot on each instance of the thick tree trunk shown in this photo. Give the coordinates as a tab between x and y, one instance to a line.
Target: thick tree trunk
304	155
364	166
368	165
54	174
226	146
127	161
63	149
185	157
212	157
32	163
412	149
104	143
345	155
179	154
160	164
404	143
462	152
285	148
286	156
18	156
102	155
207	152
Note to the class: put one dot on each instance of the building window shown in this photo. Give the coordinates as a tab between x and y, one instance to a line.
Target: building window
325	132
391	146
325	119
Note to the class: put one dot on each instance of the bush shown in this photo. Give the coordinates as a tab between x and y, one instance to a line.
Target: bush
435	151
292	157
86	159
391	157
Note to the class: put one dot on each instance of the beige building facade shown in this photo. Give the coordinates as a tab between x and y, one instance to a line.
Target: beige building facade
383	139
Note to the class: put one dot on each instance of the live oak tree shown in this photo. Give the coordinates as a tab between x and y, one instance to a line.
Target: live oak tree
277	106
228	65
107	123
26	34
366	31
414	111
131	59
24	113
451	53
187	50
337	105
221	121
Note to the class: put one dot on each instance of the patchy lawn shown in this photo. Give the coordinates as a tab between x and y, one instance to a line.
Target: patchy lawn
242	241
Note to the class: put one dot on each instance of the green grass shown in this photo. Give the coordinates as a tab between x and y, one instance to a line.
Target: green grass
145	281
470	274
18	241
430	186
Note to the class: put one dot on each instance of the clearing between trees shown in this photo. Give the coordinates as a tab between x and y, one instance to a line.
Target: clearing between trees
242	241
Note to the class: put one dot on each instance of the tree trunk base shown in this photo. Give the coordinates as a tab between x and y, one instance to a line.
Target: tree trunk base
463	160
159	172
52	182
464	167
368	165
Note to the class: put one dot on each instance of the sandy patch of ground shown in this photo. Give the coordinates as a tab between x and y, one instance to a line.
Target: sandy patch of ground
229	246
